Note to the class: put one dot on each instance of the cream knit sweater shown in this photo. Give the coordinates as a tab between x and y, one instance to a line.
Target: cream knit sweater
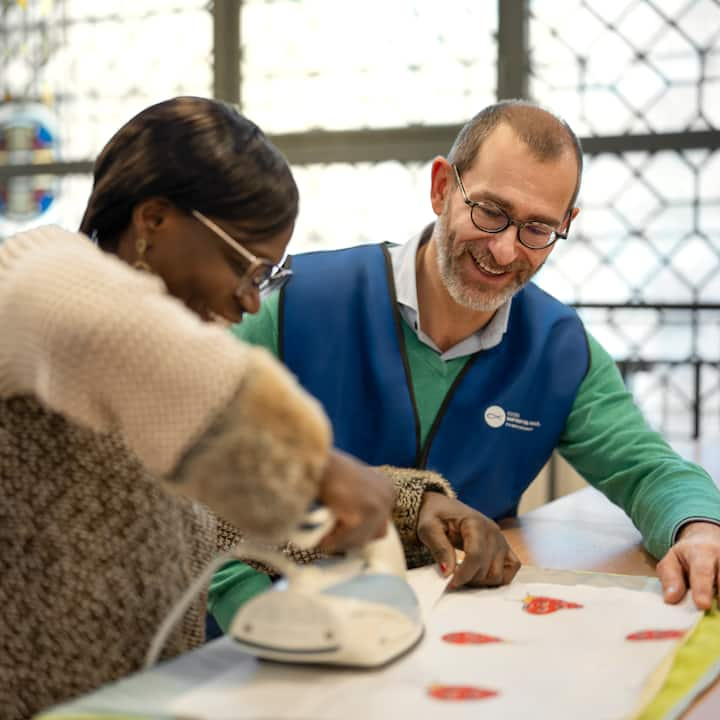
106	347
105	384
111	394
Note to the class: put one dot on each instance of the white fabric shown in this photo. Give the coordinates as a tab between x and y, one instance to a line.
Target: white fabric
429	586
574	663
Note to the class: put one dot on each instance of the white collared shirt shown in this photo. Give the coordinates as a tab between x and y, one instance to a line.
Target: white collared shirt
403	267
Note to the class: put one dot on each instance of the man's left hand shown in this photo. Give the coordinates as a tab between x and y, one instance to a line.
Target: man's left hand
445	524
693	562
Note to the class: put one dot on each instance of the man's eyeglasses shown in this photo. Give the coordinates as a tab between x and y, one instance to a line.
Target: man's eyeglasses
488	217
265	276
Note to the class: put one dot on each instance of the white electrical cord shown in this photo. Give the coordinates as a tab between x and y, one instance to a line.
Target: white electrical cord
315	525
250	551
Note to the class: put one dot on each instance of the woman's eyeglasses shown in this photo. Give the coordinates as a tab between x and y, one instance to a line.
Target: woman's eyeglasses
263	274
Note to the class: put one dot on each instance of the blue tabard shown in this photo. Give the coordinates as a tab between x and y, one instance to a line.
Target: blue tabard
340	333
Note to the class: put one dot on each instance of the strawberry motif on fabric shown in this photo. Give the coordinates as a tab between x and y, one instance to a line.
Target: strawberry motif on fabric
466	637
540	605
656	635
460	692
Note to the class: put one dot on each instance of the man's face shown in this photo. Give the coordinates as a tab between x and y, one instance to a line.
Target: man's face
482	270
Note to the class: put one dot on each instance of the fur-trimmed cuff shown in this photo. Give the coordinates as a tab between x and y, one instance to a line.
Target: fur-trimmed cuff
260	462
410	486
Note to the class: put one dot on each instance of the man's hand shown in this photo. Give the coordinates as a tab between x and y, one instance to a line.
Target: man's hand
445	524
360	498
692	562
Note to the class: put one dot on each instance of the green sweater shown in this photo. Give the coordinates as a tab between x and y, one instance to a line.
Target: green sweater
606	438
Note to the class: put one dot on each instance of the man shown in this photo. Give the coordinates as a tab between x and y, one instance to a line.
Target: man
441	354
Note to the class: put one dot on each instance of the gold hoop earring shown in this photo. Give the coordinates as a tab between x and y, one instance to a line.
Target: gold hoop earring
141	248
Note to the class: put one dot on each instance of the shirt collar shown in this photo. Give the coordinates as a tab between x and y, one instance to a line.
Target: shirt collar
404	274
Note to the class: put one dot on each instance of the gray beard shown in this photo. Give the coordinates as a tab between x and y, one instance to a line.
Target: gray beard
468	296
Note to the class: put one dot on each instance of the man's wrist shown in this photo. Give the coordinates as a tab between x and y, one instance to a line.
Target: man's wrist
692	525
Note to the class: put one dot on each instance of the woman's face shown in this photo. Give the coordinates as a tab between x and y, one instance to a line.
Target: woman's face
203	270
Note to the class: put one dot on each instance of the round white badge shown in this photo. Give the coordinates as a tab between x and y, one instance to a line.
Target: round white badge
495	416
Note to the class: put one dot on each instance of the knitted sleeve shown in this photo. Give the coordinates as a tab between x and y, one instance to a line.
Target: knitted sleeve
410	486
106	346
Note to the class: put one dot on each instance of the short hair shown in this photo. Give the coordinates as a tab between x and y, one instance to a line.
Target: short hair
199	154
546	135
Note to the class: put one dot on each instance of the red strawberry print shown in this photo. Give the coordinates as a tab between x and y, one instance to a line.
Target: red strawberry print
460	692
656	635
469	638
539	605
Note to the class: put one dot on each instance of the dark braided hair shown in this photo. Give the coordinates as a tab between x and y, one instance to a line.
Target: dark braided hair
199	154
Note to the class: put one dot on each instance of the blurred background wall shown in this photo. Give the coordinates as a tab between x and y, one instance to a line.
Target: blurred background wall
362	96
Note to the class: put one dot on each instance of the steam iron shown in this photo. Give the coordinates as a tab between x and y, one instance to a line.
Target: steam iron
358	611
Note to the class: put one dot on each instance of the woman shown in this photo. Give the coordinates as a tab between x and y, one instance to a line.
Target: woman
108	384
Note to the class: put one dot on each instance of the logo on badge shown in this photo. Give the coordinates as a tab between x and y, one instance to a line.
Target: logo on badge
495	416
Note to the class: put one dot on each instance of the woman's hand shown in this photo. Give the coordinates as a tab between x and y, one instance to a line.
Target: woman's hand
360	498
445	523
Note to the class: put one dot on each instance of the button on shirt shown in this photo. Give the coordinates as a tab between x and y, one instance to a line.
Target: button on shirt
403	267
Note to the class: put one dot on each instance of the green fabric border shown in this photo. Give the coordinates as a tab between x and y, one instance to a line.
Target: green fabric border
696	665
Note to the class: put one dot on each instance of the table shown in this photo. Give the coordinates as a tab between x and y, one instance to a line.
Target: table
581	531
585	531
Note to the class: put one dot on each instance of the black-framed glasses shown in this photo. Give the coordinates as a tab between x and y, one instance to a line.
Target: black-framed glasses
263	274
488	217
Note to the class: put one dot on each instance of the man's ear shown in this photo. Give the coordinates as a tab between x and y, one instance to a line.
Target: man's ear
569	218
441	183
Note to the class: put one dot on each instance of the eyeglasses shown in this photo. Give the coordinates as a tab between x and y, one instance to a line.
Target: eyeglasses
263	274
488	217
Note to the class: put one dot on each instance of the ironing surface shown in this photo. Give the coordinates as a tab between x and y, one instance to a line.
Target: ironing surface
574	650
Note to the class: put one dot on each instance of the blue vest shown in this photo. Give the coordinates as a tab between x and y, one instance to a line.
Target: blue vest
340	333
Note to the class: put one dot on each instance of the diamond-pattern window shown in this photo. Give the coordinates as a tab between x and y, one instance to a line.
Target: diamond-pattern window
617	70
93	66
636	66
622	68
695	260
346	203
335	65
97	64
643	218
